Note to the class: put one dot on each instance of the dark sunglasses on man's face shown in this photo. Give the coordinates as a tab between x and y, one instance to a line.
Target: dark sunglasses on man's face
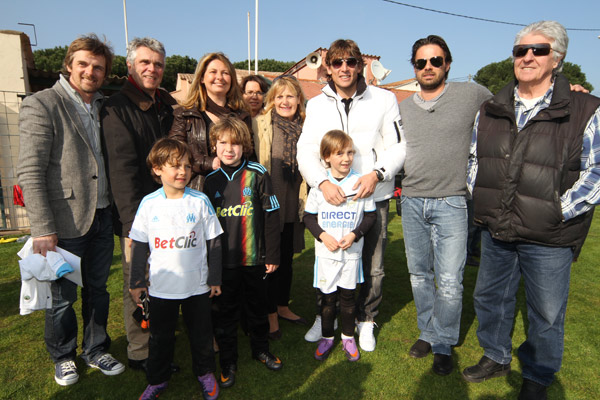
434	61
351	62
539	49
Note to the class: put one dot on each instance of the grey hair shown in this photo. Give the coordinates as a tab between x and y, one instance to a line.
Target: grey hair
148	42
553	31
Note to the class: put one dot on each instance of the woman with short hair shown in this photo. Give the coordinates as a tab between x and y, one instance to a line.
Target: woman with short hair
277	131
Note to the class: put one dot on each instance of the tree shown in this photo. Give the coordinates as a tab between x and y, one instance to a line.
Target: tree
496	75
50	59
177	64
266	64
119	66
575	75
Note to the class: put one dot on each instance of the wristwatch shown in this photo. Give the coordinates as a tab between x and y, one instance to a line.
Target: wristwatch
379	174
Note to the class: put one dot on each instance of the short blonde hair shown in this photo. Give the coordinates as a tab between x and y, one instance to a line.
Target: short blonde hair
281	83
237	131
334	140
166	151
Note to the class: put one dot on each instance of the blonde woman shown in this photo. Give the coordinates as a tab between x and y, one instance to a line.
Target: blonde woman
214	92
277	131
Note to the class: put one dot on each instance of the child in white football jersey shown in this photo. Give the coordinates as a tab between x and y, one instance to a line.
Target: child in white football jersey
177	226
338	232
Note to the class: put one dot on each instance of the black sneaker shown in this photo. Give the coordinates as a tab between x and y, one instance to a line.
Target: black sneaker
270	361
227	378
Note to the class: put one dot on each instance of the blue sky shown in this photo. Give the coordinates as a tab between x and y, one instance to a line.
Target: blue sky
290	30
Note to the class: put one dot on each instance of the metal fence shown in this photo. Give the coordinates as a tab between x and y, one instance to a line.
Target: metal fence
12	217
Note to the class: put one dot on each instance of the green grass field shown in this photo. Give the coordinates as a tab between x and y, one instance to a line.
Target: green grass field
26	371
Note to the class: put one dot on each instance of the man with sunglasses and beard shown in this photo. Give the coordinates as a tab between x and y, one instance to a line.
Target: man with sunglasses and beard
534	166
370	116
438	124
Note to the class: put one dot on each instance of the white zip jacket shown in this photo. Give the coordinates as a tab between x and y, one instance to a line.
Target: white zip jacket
373	122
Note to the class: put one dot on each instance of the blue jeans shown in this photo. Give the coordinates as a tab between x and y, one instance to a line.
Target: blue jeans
546	272
96	251
435	237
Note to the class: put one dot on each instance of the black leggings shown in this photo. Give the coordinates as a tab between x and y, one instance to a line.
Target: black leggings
280	281
347	311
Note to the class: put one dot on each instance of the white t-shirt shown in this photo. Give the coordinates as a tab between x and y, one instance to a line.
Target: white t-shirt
176	231
338	221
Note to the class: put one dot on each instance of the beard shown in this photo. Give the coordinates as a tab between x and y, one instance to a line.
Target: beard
431	85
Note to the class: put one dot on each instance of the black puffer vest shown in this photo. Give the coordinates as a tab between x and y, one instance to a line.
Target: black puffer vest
522	175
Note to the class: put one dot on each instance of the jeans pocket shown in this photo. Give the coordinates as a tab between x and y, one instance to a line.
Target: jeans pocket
403	198
459	202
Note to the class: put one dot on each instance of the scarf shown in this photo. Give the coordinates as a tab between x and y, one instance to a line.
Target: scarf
216	109
291	133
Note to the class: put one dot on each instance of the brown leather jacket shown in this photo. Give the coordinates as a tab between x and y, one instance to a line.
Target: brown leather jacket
189	126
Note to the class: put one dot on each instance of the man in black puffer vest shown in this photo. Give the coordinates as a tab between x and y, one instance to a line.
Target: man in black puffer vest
534	167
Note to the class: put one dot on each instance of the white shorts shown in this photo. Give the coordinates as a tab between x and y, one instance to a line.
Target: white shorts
329	274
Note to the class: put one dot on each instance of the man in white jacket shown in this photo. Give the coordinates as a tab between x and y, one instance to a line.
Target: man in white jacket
370	116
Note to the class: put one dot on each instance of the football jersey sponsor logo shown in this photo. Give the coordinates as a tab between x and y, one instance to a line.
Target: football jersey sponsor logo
338	215
338	219
182	242
241	210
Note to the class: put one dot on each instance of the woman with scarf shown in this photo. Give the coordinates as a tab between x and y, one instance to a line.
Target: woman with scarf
214	92
276	133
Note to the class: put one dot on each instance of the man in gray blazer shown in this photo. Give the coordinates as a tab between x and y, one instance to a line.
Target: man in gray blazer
62	173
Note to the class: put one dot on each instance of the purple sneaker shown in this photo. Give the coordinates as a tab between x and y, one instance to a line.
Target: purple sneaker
324	348
210	388
350	349
153	391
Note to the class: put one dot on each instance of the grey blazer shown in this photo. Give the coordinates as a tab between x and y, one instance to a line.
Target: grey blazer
57	169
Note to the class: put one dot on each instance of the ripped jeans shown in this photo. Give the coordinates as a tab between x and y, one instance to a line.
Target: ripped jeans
435	237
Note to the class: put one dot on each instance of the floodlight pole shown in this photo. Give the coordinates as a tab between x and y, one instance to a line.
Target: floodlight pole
256	39
125	16
249	43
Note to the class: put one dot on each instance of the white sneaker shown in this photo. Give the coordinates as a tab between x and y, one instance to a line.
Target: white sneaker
65	373
366	339
315	333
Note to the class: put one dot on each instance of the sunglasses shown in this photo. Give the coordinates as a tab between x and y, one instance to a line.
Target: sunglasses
540	49
351	62
434	61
